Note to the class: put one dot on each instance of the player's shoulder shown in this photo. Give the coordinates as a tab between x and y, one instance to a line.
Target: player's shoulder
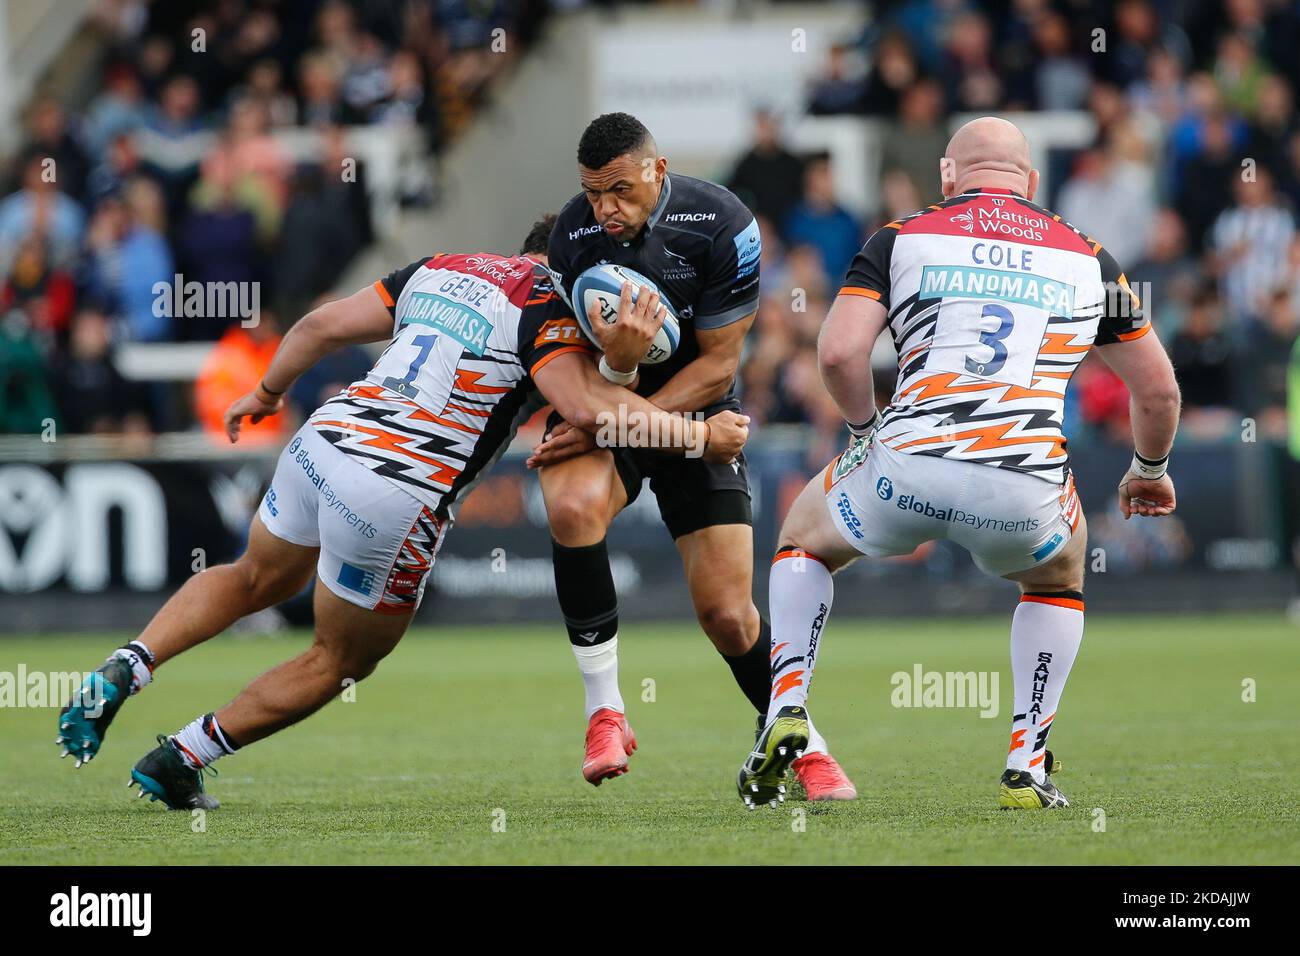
702	204
575	221
994	214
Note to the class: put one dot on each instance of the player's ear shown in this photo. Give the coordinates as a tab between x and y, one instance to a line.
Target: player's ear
947	178
1033	184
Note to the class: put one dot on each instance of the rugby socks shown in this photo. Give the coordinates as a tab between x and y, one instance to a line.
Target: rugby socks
800	591
1046	632
202	741
585	586
140	660
750	669
753	673
599	667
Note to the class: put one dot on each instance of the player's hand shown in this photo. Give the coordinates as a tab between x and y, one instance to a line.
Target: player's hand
250	406
1150	498
728	432
626	340
560	444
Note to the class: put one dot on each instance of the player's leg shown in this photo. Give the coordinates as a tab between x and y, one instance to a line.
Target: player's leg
582	495
719	565
350	642
1046	632
800	594
270	570
377	544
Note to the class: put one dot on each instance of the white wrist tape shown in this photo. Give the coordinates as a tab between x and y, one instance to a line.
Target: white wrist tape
615	376
865	429
1149	468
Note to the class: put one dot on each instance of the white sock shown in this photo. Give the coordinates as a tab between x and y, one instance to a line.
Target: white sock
816	742
140	660
599	667
201	741
800	591
1046	631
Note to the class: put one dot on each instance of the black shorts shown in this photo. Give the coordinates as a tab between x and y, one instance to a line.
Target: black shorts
692	493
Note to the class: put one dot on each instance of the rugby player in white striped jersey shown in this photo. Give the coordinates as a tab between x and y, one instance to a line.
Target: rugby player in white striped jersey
992	302
366	490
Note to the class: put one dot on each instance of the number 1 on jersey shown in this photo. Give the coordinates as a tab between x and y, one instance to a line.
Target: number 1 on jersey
406	385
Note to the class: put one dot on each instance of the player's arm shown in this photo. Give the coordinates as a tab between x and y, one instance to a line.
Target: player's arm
1154	403
724	315
571	383
844	355
361	317
1128	344
707	378
857	317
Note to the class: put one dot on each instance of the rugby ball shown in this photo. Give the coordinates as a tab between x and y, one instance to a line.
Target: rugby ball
603	285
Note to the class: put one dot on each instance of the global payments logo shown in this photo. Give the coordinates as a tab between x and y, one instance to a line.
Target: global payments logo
885	488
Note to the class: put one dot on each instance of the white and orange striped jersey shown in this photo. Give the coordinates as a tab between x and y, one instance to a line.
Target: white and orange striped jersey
993	302
441	404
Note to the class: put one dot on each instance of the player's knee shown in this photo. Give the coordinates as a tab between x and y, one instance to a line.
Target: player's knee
577	515
729	627
340	663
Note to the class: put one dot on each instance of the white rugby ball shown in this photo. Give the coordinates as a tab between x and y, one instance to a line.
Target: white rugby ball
603	285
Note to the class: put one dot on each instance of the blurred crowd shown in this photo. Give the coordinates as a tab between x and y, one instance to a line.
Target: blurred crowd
1192	181
181	164
178	165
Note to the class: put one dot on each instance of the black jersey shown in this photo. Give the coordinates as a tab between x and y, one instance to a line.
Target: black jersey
700	246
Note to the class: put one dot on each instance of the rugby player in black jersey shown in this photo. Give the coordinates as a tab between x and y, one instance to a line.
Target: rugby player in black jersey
701	246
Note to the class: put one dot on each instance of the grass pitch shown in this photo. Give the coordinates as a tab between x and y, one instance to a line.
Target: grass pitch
465	747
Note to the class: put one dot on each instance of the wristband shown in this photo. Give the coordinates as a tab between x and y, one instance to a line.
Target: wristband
615	376
866	428
1149	468
273	394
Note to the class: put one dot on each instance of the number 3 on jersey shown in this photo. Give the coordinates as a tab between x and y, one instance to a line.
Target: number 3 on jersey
987	339
993	340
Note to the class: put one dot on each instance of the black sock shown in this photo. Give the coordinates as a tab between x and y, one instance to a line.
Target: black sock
753	669
585	587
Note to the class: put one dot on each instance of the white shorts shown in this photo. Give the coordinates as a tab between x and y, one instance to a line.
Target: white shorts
887	503
377	543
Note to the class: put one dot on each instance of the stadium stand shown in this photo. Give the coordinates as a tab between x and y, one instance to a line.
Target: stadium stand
294	146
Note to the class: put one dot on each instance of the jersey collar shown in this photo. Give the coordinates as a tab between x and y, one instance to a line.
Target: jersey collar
992	192
657	213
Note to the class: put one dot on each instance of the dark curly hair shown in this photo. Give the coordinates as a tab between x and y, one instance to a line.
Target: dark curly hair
609	136
539	236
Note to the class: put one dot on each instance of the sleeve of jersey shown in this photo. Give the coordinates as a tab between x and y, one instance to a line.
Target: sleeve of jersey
547	330
868	274
390	286
731	286
1123	317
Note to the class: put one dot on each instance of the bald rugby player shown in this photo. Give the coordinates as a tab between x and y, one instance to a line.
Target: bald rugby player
992	301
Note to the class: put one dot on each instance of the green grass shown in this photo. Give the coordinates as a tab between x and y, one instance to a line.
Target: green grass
461	723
